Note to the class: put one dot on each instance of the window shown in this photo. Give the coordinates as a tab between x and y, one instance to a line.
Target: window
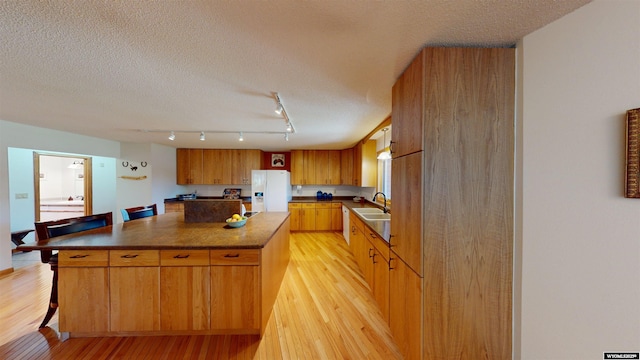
384	177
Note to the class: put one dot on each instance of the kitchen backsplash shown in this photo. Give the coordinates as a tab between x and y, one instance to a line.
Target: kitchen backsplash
303	190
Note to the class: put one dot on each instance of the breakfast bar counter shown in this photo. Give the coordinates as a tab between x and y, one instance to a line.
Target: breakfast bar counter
162	276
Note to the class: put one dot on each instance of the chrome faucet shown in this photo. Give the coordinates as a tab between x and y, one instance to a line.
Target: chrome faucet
384	209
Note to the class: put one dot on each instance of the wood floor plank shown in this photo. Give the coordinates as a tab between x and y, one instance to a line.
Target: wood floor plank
324	310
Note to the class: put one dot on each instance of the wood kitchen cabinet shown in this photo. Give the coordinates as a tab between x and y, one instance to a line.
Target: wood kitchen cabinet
308	217
84	286
215	170
323	216
380	265
137	310
184	290
452	185
235	289
406	187
327	167
217	166
303	170
336	216
189	166
295	210
365	172
346	167
360	248
405	308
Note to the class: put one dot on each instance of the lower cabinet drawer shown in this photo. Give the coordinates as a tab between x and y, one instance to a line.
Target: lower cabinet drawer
134	258
83	258
184	257
235	257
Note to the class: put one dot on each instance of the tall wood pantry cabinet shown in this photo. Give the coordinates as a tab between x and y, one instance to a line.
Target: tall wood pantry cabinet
452	225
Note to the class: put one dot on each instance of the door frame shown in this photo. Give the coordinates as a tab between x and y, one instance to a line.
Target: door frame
88	183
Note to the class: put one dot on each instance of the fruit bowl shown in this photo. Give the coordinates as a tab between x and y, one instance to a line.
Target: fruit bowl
238	223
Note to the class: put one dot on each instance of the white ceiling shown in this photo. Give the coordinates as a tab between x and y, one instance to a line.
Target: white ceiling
111	68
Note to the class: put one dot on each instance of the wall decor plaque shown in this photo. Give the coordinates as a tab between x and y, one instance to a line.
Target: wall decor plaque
632	169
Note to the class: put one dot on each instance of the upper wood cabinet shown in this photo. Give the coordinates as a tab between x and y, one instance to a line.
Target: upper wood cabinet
315	167
189	169
303	171
217	166
365	170
407	97
346	167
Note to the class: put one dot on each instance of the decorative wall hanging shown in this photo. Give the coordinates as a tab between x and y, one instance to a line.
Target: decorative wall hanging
632	169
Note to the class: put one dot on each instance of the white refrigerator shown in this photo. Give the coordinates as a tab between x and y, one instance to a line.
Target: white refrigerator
270	190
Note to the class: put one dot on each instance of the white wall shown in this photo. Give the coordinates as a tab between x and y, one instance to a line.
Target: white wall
29	137
580	237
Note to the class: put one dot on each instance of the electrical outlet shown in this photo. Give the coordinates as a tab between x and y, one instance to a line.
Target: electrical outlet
22	195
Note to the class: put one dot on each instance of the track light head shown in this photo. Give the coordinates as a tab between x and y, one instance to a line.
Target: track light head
286	137
289	127
202	136
241	138
172	136
279	109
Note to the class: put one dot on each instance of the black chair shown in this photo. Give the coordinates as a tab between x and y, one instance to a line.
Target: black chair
50	229
139	212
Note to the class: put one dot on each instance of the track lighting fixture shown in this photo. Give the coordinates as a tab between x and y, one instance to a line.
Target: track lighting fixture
172	136
241	138
280	110
172	133
202	136
286	136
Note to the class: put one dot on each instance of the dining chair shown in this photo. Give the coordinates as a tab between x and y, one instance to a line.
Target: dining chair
139	212
51	229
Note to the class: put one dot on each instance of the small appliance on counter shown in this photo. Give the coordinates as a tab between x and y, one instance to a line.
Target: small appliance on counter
186	196
232	194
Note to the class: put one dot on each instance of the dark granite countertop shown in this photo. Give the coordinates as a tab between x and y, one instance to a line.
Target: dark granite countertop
169	231
245	199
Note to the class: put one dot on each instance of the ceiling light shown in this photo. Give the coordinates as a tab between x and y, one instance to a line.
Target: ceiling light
202	136
289	128
241	138
384	155
279	109
286	137
172	136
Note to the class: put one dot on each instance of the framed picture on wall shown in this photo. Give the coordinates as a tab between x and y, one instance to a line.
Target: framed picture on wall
277	160
632	169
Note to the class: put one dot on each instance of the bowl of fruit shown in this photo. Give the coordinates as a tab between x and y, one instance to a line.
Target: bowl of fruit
236	221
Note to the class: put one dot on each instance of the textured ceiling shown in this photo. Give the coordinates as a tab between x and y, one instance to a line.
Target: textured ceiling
111	68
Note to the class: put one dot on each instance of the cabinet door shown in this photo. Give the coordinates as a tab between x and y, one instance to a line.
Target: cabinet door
336	216
381	283
213	163
346	167
334	170
235	297
294	218
182	166
407	98
252	161
234	159
321	167
134	294
195	166
297	167
405	308
310	167
406	187
85	291
184	290
134	290
323	217
308	217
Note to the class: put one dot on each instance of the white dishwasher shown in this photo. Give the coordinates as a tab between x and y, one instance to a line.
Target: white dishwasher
345	223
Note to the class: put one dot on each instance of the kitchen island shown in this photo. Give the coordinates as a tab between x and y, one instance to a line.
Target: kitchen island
162	276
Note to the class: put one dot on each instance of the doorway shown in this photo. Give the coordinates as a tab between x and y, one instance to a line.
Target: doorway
62	186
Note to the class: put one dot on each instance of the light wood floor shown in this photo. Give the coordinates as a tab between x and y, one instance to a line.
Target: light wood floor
324	310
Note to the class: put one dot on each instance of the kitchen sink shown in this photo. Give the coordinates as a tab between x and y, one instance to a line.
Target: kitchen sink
376	217
372	214
369	210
